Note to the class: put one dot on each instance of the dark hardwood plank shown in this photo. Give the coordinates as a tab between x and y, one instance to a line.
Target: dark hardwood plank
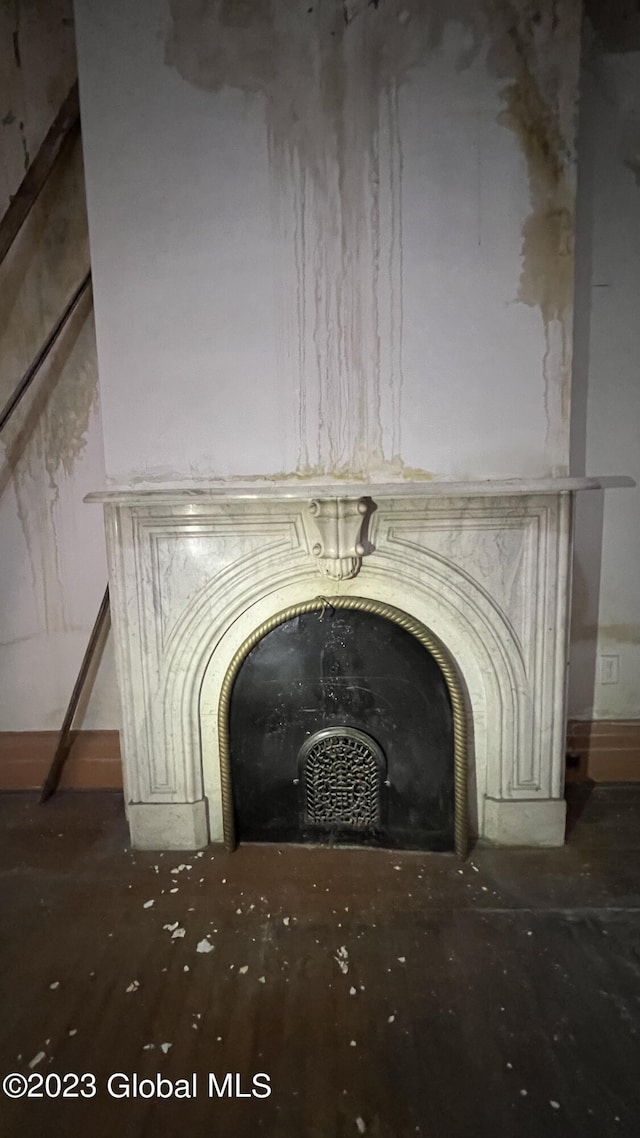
472	984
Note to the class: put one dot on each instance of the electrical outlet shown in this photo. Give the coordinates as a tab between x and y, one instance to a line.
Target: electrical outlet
609	669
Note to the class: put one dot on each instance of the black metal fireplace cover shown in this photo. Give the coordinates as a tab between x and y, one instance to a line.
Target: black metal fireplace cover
331	676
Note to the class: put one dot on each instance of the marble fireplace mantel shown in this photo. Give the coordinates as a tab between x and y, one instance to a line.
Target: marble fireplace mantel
169	492
485	566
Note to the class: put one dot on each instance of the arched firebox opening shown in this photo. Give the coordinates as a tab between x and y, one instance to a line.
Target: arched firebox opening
342	721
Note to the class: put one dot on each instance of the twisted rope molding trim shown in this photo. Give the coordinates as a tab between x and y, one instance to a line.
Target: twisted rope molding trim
376	608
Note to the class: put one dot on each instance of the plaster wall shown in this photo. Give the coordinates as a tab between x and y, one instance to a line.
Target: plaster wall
331	239
606	619
52	557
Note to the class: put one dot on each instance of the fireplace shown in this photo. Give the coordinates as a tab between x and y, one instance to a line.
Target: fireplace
348	377
200	578
341	731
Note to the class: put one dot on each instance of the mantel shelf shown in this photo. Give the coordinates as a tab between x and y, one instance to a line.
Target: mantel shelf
174	494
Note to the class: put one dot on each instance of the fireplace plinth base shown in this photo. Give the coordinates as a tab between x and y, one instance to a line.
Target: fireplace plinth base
168	826
526	822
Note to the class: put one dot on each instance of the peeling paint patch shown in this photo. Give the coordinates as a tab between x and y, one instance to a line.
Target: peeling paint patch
394	471
536	48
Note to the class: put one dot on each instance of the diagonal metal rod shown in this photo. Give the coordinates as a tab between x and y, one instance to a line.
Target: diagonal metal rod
63	747
66	121
37	362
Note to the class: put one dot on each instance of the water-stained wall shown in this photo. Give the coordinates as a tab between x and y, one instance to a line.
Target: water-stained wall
52	560
345	230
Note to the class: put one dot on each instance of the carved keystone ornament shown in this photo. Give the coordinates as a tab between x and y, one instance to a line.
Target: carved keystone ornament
336	542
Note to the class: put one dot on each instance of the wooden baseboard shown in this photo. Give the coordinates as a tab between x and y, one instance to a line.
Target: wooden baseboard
93	762
608	750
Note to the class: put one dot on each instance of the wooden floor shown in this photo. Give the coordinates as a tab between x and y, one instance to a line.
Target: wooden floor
383	994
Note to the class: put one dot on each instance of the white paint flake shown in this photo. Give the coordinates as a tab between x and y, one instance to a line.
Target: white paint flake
204	946
353	991
148	1047
170	928
391	1019
342	959
36	1059
261	980
554	1104
244	969
148	904
133	986
56	984
402	960
177	933
361	1124
285	920
165	1047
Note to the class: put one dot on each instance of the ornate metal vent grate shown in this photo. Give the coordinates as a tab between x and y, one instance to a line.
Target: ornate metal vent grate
343	770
